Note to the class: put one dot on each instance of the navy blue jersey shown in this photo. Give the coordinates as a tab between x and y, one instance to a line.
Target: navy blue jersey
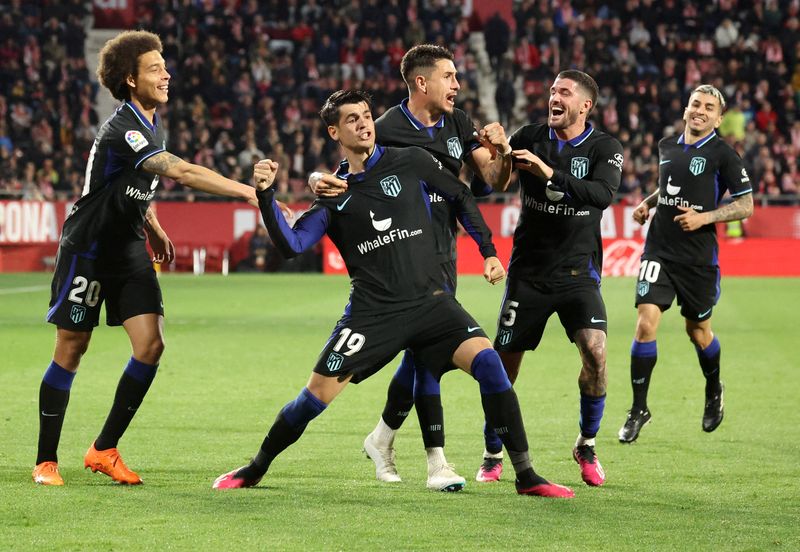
107	221
382	227
450	140
695	176
558	234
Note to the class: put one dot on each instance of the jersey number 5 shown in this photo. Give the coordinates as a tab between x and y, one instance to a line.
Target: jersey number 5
92	290
509	314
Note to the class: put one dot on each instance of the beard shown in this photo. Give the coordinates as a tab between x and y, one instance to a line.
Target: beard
568	119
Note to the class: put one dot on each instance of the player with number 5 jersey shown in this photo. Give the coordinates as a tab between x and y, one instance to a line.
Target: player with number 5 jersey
696	169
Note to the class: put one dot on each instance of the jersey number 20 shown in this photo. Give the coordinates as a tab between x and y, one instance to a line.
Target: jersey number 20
92	290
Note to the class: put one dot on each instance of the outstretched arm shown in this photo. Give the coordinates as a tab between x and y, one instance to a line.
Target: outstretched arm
197	177
290	241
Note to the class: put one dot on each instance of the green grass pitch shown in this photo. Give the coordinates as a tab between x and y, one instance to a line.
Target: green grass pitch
240	347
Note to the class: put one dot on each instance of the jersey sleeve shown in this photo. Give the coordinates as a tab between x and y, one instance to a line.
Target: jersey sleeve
605	177
133	145
291	241
467	133
455	192
732	174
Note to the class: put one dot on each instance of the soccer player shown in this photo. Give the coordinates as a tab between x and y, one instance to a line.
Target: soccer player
680	251
102	255
429	119
569	172
383	230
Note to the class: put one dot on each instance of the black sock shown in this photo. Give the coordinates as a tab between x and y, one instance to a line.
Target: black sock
503	413
529	478
399	401
53	400
431	420
709	363
643	359
287	428
132	388
52	407
280	437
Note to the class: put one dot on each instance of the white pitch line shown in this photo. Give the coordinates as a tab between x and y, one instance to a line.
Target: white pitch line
29	289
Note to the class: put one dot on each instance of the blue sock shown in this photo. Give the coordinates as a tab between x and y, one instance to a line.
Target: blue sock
591	414
428	401
488	369
303	409
57	377
144	373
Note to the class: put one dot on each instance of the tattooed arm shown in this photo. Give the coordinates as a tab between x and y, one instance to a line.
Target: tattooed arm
739	208
197	177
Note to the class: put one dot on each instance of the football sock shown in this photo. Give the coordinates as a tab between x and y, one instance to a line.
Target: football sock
493	443
400	396
709	363
500	404
383	433
131	389
287	428
428	402
53	400
435	456
495	455
591	414
643	359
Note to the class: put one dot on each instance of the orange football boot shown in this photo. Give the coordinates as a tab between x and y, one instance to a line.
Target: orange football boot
46	473
110	463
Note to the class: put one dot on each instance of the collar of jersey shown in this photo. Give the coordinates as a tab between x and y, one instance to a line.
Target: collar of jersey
344	167
574	142
414	121
142	118
700	143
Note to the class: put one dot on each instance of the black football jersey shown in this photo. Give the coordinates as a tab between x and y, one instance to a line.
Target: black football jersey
558	233
450	140
107	220
694	176
382	227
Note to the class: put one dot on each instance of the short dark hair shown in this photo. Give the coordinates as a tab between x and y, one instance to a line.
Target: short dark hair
119	58
330	111
585	82
422	56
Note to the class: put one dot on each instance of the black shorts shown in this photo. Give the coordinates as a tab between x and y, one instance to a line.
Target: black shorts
79	289
528	305
361	345
661	280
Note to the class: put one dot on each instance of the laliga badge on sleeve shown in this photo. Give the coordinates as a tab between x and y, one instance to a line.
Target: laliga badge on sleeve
135	140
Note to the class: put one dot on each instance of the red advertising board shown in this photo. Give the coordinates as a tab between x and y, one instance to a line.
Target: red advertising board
29	233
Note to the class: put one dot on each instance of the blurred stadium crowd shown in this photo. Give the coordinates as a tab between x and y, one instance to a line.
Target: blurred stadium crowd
248	78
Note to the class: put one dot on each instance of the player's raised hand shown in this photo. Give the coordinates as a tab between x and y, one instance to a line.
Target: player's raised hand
690	220
641	213
493	137
493	270
326	184
264	174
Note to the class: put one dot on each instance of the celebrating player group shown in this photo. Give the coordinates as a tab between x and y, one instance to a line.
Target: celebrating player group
392	209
